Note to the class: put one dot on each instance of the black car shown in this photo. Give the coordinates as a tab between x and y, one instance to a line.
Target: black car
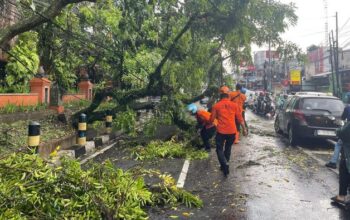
309	116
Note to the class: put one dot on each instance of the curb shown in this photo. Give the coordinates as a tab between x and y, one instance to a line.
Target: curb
77	151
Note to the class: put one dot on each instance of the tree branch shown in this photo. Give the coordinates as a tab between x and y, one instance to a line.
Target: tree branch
207	93
33	21
100	115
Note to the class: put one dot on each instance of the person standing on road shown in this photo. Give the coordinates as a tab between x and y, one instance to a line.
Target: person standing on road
344	165
207	129
334	160
244	91
239	98
226	112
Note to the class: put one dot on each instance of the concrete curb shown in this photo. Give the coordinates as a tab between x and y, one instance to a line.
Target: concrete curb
77	151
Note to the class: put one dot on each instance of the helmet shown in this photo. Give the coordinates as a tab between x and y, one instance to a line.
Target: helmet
243	90
192	108
224	89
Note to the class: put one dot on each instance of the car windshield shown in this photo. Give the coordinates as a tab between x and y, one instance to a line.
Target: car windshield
334	106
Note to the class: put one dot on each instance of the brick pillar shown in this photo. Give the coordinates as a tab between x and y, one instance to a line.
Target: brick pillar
85	87
41	86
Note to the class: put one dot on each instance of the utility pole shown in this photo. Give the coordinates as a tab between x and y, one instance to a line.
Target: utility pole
331	61
339	82
334	49
270	67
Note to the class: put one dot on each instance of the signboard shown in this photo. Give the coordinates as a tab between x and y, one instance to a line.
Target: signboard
295	77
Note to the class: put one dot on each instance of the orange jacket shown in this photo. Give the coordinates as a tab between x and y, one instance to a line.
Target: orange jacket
203	117
238	98
226	112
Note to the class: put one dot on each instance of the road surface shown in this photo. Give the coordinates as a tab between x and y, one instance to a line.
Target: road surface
268	180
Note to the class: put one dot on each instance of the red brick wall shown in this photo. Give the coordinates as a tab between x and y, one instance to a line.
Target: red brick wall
19	99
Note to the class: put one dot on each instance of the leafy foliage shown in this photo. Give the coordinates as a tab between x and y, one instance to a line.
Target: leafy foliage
173	49
35	189
170	194
125	121
169	149
23	63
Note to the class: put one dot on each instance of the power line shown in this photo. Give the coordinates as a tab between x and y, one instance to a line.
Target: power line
347	21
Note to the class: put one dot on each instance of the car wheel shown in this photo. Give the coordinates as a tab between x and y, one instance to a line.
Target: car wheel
292	137
277	126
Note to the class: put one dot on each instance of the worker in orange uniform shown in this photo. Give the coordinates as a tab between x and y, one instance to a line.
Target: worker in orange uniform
239	98
226	113
207	129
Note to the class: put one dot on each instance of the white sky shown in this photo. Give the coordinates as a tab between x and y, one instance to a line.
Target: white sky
310	28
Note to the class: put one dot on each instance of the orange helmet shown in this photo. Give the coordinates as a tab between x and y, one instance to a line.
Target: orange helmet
224	89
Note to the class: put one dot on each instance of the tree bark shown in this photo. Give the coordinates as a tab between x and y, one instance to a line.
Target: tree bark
37	19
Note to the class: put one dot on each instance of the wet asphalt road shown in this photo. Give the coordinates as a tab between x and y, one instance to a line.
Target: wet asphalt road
268	180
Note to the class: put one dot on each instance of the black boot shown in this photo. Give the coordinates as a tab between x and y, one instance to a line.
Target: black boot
226	170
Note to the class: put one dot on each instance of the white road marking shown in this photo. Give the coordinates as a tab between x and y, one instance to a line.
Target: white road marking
322	152
321	162
96	153
183	174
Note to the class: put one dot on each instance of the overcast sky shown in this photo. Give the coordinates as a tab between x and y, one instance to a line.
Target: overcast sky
310	28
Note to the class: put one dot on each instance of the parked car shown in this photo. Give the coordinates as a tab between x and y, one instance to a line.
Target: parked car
309	115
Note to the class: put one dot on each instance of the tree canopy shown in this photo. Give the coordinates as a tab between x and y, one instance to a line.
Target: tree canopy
167	48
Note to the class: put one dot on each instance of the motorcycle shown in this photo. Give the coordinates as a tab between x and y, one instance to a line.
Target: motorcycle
267	108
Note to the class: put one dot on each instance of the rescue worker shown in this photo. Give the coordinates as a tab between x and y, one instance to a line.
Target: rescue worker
207	129
239	98
226	112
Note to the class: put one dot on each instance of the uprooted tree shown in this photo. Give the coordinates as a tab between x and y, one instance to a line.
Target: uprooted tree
173	49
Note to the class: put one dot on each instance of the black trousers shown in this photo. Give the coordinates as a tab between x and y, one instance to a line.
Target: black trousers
223	147
344	178
207	134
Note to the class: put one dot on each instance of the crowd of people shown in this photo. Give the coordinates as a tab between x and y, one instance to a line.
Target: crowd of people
226	119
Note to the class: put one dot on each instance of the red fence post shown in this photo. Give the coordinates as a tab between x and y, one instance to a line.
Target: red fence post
41	86
85	87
